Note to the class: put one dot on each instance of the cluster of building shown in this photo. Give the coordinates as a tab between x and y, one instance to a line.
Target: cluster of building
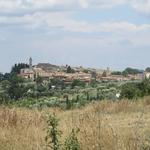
48	71
123	78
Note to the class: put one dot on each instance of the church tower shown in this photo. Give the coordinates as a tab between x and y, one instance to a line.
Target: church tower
30	63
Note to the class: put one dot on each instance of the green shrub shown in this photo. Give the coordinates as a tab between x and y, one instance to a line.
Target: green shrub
72	143
77	83
111	96
53	134
130	91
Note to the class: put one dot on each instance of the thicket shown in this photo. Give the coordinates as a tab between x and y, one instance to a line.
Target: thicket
127	71
135	90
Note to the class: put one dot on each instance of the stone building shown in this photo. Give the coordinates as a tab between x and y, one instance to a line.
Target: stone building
47	71
33	72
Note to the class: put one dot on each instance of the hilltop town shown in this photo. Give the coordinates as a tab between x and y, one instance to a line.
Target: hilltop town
68	73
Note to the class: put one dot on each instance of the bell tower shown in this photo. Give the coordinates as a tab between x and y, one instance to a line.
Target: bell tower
30	63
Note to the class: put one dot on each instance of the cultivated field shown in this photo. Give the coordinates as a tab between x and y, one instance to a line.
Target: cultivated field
106	125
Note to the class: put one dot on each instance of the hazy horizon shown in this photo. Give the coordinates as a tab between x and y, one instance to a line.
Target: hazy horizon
88	33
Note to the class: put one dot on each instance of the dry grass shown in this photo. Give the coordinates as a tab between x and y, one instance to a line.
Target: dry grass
103	125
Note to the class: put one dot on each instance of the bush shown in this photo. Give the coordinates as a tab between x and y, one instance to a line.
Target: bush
53	134
77	83
72	143
111	96
40	103
130	91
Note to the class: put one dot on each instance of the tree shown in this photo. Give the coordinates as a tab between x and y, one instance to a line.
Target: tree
68	102
58	83
39	80
144	86
125	73
130	91
17	67
93	83
17	88
70	70
4	91
77	83
1	77
132	71
147	69
7	76
5	85
87	95
94	75
116	73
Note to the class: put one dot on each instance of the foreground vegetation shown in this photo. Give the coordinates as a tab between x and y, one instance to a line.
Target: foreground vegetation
55	92
115	114
119	125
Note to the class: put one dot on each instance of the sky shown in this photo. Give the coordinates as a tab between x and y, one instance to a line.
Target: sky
89	33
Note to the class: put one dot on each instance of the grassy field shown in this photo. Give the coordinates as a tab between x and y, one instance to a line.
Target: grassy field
106	125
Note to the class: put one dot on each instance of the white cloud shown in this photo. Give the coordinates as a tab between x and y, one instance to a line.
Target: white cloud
104	3
25	6
142	6
64	21
84	3
13	6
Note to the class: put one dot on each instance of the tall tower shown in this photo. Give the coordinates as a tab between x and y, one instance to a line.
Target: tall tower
30	63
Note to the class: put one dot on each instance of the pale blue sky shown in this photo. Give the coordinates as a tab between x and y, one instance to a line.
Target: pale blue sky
91	33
